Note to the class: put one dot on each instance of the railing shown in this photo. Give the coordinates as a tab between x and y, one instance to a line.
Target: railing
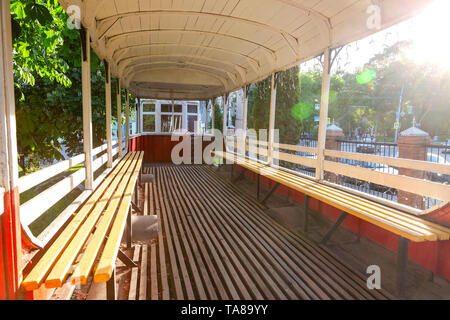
34	208
383	170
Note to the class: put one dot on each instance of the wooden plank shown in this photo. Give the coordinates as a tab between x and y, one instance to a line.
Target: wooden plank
244	259
296	148
337	198
395	162
84	267
143	278
134	275
296	245
61	269
38	273
154	294
186	238
427	188
171	233
29	181
293	158
109	254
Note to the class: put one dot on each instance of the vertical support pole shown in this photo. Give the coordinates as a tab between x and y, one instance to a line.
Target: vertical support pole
111	292
402	262
213	113
244	111
271	135
87	107
119	117
323	114
127	120
10	227
108	114
138	116
225	115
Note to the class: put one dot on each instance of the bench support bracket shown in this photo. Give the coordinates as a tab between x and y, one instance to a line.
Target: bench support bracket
270	193
333	228
111	287
136	208
126	260
240	176
402	262
305	221
258	186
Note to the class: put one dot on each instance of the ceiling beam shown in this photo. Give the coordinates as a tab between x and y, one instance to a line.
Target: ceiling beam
124	62
269	53
252	62
105	24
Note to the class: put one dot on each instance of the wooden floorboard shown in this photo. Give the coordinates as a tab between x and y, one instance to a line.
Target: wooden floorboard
215	242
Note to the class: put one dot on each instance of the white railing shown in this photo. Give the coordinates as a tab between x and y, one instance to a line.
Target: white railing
35	207
409	184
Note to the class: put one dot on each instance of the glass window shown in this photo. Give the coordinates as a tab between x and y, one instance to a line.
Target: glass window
191	123
148	123
168	108
167	125
192	108
149	107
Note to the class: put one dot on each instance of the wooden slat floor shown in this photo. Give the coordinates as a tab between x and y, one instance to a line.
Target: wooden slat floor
217	243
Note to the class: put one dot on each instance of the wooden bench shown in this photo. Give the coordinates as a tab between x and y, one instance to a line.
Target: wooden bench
96	229
406	226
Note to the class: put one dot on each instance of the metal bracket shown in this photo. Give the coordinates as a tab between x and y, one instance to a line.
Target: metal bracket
126	260
333	228
136	208
270	193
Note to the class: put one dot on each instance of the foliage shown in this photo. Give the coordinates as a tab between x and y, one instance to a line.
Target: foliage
47	74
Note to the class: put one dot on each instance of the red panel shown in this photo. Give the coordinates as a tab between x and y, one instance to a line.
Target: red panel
2	264
12	242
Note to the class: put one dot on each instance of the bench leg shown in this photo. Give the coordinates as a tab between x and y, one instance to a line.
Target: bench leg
231	173
305	221
258	187
129	229
270	193
111	292
240	176
402	262
333	228
136	208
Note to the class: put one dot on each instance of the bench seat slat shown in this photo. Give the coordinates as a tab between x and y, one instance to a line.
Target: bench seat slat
61	269
85	265
429	230
37	275
107	261
387	218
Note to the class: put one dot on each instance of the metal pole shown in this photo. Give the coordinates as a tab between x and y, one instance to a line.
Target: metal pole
108	114
87	107
271	136
225	114
323	114
213	113
127	120
397	117
119	117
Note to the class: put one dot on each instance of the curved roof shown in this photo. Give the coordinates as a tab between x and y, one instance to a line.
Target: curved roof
199	49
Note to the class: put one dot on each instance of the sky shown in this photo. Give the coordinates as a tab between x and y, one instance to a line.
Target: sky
429	31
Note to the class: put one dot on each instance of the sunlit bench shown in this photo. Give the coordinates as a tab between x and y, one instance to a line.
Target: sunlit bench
406	226
90	243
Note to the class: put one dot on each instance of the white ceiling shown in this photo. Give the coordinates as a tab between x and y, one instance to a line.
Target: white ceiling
199	49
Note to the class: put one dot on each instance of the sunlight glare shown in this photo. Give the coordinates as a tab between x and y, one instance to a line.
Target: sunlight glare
430	35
